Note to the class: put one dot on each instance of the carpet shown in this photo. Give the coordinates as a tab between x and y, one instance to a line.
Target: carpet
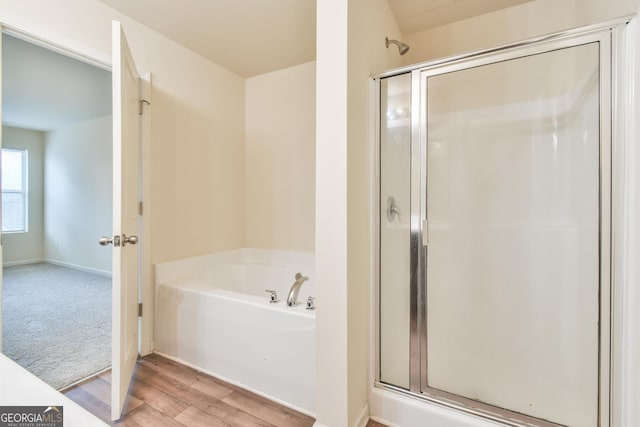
56	321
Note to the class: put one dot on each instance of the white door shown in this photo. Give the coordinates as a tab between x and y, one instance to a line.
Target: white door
126	219
126	138
0	186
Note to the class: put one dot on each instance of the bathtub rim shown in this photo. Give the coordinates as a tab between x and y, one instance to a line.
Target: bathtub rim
209	290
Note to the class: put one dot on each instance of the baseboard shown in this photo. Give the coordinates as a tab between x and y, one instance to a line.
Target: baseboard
78	267
363	417
22	262
361	421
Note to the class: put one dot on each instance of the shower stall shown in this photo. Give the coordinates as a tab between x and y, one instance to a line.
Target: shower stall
494	290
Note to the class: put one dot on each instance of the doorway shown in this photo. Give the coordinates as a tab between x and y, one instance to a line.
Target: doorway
57	287
494	232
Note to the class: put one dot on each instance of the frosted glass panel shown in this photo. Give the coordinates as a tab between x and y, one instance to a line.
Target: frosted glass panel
395	186
513	255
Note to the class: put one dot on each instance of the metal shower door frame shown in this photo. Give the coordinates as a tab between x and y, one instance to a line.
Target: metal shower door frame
420	213
607	35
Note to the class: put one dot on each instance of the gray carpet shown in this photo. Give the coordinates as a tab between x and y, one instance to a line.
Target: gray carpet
56	321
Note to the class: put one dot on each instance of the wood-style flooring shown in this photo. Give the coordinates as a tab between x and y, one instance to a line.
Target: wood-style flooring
166	393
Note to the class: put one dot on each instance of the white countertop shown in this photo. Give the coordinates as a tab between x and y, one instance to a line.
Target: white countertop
18	387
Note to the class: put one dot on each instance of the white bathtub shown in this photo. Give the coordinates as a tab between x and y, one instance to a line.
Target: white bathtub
212	313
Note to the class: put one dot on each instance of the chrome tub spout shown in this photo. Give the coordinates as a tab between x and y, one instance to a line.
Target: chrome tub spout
292	299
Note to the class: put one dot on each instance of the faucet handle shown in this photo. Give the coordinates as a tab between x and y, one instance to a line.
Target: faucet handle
311	303
273	296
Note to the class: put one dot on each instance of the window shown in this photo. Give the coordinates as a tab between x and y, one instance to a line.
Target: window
14	190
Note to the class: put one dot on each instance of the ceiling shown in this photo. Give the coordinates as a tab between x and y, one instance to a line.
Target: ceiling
43	90
248	37
417	15
252	37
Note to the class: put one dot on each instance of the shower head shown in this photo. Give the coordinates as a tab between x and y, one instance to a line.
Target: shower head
403	48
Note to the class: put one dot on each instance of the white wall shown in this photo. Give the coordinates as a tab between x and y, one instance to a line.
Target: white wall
197	124
369	23
78	194
344	199
280	159
331	214
27	247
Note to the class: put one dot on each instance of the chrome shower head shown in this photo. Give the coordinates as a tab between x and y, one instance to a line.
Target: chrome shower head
403	48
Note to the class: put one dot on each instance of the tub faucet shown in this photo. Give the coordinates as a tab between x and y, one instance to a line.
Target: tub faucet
292	299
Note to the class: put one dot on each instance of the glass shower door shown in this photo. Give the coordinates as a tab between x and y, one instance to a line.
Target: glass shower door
514	191
394	232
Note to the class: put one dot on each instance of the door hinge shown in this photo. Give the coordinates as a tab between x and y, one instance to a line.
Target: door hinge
139	208
139	309
141	105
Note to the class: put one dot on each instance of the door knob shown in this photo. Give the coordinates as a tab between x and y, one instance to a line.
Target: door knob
105	241
129	239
